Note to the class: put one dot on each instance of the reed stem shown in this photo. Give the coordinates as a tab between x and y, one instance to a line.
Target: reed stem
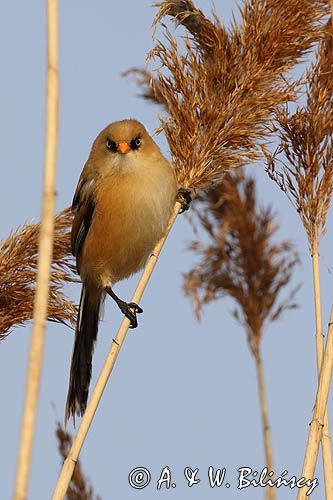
317	427
44	258
270	493
311	453
320	347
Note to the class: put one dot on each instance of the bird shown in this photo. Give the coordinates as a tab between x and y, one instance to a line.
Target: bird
123	201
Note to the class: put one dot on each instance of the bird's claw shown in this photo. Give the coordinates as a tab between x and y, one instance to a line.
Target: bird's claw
136	307
130	310
184	197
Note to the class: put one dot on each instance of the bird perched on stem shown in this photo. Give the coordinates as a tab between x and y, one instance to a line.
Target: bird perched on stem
123	201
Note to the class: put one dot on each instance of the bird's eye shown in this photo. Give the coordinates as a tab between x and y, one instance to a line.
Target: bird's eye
111	145
136	143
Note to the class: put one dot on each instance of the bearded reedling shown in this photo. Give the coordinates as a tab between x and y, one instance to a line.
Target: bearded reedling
123	202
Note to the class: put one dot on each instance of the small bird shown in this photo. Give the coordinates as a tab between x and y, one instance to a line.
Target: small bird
122	203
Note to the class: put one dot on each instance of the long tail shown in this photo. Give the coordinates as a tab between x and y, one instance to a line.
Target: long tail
85	337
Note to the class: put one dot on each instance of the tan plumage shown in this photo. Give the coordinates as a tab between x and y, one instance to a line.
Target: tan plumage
123	202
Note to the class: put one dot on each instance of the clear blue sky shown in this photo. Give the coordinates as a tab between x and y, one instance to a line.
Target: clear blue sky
182	393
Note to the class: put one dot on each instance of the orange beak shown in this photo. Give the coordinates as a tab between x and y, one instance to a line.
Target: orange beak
123	147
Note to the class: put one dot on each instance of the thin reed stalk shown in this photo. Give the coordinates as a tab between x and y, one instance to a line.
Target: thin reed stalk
317	301
69	464
317	423
44	259
320	347
270	493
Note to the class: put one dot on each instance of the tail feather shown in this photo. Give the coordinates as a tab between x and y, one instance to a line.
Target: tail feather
85	337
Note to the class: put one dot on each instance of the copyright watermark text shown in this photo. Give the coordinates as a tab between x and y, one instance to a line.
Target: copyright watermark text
140	477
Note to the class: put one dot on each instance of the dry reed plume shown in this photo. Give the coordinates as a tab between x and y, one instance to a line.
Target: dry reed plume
18	270
221	87
305	172
242	261
79	487
302	166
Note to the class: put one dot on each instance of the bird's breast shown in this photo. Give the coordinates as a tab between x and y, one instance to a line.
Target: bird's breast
131	213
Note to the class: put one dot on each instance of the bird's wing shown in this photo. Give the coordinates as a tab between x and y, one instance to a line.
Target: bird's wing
84	204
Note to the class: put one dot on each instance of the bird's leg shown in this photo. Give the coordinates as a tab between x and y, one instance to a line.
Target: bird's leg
130	309
184	197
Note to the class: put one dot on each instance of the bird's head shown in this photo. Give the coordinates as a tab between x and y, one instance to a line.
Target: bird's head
123	142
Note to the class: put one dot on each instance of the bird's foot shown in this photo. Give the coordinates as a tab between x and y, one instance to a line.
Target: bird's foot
130	310
184	197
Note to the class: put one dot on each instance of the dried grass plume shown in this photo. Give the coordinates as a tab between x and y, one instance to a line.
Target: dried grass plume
18	268
242	259
302	165
220	87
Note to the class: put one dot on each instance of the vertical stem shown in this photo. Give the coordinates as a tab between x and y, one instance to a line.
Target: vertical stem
317	423
69	464
270	493
44	258
317	300
325	438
